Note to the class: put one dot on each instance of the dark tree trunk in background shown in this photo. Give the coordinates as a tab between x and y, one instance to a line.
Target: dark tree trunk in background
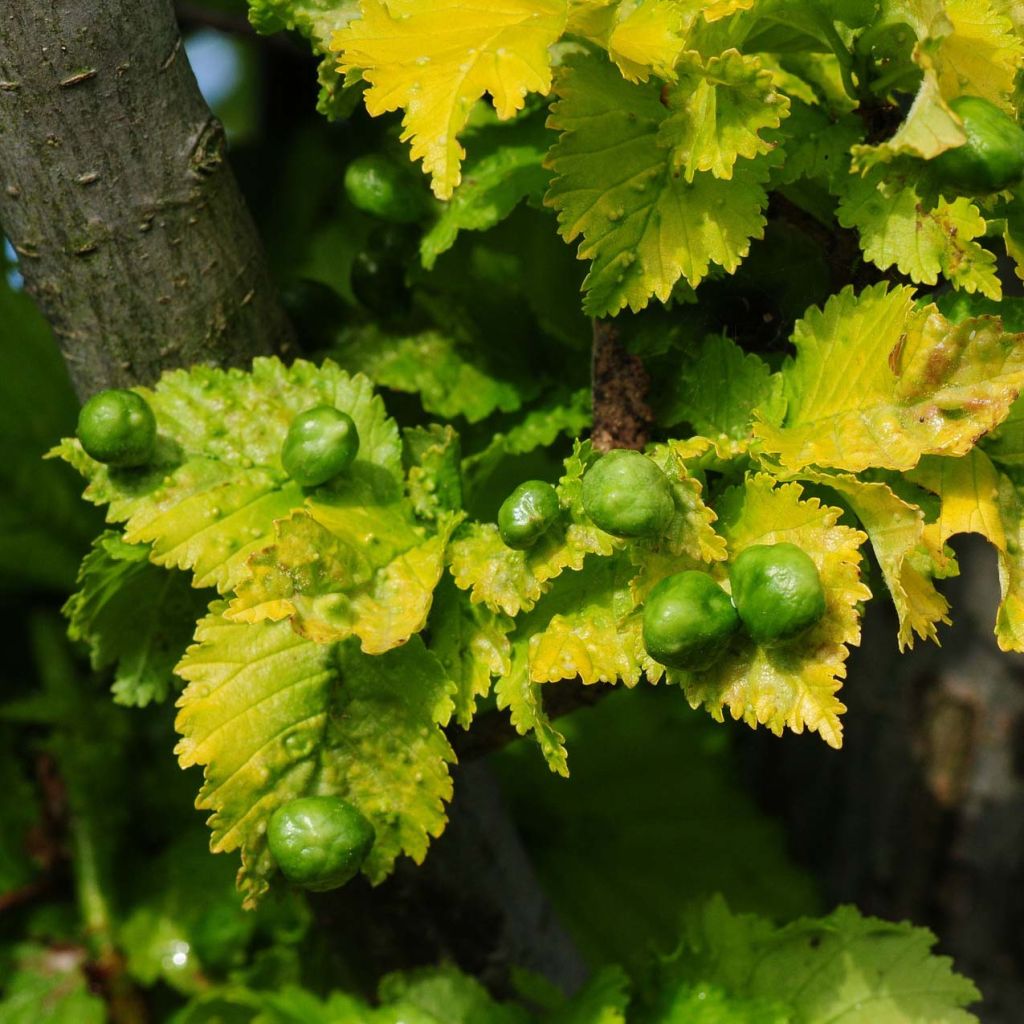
131	232
921	815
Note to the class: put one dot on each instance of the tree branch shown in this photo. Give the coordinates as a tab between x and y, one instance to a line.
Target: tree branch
619	385
116	194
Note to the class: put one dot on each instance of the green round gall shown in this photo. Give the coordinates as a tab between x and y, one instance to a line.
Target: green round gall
688	621
321	443
991	159
529	511
319	842
627	495
777	591
118	427
382	188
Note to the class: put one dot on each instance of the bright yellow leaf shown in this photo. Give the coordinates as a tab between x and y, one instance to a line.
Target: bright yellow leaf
435	58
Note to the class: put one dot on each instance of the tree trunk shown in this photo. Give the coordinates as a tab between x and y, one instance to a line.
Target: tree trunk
131	232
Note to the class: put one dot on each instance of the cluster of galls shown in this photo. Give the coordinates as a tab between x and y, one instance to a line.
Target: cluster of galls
689	619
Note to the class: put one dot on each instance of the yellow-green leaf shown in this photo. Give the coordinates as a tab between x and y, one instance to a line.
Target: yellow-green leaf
272	717
878	382
793	685
435	58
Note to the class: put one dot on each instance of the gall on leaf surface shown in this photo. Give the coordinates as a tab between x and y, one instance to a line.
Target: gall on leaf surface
435	58
643	227
272	717
510	581
879	383
216	486
793	685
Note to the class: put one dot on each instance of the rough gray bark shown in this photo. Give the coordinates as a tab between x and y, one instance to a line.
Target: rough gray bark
132	235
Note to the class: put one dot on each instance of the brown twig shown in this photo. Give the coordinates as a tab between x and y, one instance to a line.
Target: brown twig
619	386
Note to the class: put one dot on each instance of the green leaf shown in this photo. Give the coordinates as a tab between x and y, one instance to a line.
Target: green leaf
452	377
878	382
133	615
273	717
794	685
644	227
505	167
444	995
49	986
433	457
358	568
899	228
471	642
525	703
907	554
539	428
708	1004
216	485
510	581
816	143
717	112
860	969
717	391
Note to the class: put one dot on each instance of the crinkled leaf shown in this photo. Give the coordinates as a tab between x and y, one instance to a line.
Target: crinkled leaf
538	429
436	58
717	113
505	167
471	642
452	378
816	142
930	128
877	382
906	552
511	581
525	703
433	456
977	498
898	228
216	485
793	685
643	227
717	391
840	967
354	567
587	627
134	615
273	717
